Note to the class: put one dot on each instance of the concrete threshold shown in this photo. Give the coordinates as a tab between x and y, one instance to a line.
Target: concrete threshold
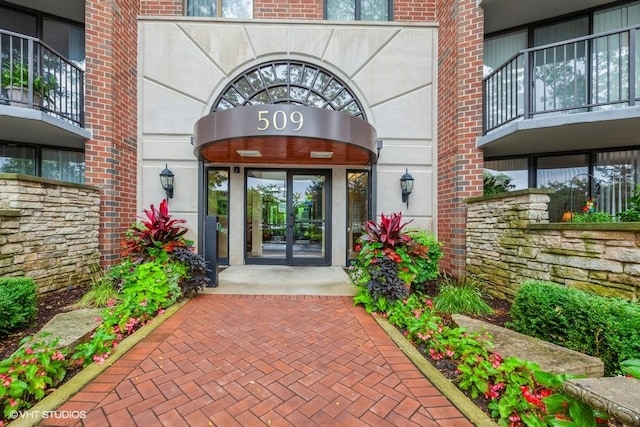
283	280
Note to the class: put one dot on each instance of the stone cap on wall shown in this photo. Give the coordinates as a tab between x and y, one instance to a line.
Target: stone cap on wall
591	226
40	180
516	193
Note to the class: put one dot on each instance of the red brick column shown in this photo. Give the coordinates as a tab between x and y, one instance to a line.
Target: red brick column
111	115
460	163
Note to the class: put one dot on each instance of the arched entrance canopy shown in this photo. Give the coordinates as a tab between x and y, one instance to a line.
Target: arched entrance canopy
284	134
286	112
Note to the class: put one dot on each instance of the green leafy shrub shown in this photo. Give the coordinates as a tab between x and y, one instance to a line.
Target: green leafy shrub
632	213
17	302
593	217
608	328
388	262
25	376
461	298
426	268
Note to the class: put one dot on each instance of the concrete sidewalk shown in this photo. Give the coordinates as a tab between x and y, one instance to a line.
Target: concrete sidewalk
251	360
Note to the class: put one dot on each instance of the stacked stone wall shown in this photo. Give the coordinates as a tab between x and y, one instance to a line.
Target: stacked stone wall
510	240
48	231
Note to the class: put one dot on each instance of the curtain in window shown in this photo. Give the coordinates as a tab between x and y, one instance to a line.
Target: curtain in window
63	165
201	8
498	49
16	159
569	176
613	19
618	174
230	8
374	10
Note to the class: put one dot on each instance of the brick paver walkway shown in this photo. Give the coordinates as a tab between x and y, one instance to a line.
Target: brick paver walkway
240	360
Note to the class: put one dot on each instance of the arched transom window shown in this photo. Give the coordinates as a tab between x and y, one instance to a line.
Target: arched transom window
289	82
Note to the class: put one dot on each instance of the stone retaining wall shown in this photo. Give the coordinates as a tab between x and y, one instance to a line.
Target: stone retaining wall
48	231
510	240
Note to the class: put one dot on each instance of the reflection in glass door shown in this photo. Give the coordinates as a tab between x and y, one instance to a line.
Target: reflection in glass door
218	205
287	216
357	210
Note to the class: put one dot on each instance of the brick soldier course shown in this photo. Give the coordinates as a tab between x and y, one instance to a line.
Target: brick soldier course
237	360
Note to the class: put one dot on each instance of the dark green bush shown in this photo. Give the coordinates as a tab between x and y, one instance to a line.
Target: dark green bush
17	302
608	328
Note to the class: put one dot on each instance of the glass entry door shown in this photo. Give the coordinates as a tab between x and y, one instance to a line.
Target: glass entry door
287	217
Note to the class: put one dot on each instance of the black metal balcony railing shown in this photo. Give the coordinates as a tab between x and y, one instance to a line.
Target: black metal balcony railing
35	76
592	73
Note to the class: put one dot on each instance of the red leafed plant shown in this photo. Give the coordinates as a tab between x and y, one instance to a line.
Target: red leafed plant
388	232
159	231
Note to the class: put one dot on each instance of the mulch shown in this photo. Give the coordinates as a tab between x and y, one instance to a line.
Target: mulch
49	304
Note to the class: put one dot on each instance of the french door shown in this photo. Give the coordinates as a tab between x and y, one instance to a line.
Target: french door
287	217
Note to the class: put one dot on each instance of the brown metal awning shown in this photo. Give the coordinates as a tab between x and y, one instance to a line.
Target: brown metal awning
284	134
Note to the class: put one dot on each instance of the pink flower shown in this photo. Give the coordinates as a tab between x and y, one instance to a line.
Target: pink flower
161	311
100	358
111	302
57	356
29	350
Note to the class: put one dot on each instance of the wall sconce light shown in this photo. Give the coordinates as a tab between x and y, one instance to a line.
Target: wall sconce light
406	184
166	179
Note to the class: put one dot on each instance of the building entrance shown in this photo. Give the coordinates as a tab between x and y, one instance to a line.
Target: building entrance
288	217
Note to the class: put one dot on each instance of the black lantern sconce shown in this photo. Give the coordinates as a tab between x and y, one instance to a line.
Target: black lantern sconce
166	179
406	184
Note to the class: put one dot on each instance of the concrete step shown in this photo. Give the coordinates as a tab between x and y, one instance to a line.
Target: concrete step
550	357
617	396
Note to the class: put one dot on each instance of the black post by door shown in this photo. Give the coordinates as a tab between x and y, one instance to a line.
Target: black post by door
211	249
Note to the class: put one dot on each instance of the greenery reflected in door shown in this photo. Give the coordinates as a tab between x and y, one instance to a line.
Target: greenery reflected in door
357	209
218	205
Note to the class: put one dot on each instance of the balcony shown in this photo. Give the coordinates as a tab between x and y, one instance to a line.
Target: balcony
579	94
41	95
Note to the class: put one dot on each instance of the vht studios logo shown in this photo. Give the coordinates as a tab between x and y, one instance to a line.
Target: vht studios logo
47	414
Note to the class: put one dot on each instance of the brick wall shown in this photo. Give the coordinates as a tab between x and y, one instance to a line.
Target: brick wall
48	231
510	241
162	7
111	115
460	42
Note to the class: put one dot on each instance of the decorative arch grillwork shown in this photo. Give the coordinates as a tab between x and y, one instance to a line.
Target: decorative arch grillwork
289	82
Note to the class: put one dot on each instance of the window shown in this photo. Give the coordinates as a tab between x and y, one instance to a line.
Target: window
63	165
515	171
220	8
359	10
569	176
617	174
289	82
17	159
47	162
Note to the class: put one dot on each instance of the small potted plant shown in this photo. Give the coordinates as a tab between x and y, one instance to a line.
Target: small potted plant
15	80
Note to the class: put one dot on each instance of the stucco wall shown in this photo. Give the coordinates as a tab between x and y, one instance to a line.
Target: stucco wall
510	240
185	62
48	231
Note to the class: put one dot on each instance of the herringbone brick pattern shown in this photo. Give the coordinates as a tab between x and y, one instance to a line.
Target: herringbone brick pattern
238	360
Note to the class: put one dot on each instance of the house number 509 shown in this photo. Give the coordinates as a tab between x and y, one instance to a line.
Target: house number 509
279	120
